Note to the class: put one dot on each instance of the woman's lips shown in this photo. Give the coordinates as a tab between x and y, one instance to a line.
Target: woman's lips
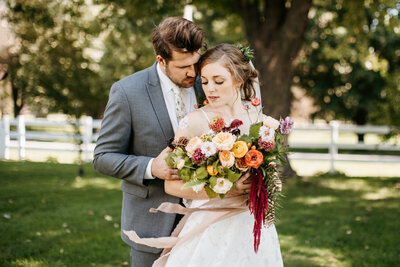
212	98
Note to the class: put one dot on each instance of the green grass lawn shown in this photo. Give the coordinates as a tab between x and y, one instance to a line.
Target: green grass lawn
49	217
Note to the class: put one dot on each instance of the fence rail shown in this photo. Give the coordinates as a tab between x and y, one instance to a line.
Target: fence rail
87	136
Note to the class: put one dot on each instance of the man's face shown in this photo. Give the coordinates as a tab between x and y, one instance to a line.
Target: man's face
181	69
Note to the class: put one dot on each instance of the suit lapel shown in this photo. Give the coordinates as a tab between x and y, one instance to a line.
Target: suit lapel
157	101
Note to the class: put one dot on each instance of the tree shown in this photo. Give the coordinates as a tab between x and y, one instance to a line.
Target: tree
350	61
48	66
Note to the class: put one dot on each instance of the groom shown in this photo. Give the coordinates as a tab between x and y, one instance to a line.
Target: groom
142	114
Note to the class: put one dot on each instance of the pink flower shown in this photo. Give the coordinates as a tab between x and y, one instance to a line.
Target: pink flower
246	107
216	124
267	146
198	156
255	101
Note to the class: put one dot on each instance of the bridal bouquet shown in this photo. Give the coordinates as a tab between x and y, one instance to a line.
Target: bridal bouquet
217	159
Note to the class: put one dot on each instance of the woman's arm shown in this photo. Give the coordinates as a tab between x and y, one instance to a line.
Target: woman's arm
174	188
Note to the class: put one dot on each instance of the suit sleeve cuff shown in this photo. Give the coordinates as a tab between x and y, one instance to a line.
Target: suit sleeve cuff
148	174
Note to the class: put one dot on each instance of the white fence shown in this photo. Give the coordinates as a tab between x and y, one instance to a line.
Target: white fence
333	146
36	140
85	141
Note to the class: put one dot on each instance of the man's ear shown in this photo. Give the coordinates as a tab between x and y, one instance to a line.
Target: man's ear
161	61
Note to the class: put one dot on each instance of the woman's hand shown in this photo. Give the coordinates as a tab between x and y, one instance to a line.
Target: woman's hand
243	186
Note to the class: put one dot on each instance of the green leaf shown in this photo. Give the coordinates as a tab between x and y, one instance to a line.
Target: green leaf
201	173
213	181
233	176
222	196
186	174
170	159
193	183
255	129
210	192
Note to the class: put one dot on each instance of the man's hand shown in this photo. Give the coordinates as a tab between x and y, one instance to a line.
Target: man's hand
160	169
243	186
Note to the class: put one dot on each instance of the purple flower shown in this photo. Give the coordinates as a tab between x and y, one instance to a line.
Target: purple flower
286	125
198	156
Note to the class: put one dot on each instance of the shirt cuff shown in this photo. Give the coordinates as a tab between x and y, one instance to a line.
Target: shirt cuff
147	174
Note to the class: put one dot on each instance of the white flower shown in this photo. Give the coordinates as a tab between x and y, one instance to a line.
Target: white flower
222	186
227	158
184	122
192	145
267	134
198	187
271	123
208	149
180	164
224	141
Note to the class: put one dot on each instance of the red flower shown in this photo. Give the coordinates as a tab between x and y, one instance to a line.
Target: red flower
255	101
236	123
246	107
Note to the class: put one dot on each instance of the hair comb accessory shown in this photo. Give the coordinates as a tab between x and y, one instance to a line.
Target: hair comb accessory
247	52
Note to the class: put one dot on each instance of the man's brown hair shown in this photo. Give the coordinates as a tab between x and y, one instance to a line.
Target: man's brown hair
176	34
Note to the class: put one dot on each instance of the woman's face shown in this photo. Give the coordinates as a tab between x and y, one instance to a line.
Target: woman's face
218	84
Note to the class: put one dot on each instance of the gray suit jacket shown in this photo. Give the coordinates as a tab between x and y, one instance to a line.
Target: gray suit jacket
136	127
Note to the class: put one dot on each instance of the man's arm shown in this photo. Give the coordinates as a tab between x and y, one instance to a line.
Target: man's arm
111	153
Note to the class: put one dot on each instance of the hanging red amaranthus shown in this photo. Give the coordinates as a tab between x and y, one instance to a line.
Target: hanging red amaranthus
258	205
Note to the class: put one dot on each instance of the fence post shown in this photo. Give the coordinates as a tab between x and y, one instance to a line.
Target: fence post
333	147
87	136
21	136
5	137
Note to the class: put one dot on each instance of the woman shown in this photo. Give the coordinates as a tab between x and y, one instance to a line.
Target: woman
227	79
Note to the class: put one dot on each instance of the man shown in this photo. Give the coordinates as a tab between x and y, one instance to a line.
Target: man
142	114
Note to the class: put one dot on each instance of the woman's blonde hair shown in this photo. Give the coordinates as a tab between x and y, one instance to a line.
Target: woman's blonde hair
236	63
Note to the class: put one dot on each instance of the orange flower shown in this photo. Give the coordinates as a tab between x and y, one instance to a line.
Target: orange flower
254	158
239	149
211	171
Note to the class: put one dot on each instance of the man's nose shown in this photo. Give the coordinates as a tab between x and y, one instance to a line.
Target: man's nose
191	71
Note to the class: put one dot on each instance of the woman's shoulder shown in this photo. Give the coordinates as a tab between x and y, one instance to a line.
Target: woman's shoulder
193	124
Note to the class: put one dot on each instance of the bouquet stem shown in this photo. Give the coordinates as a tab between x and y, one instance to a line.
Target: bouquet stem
258	205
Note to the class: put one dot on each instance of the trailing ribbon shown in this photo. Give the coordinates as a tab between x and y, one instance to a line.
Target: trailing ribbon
222	209
258	205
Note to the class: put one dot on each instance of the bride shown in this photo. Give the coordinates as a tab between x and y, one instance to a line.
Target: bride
227	80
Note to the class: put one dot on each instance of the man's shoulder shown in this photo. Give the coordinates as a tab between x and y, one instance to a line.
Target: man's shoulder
137	80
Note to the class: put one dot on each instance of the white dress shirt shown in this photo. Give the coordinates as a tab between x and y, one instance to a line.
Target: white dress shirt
188	97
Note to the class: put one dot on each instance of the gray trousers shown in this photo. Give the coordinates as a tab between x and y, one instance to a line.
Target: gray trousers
142	259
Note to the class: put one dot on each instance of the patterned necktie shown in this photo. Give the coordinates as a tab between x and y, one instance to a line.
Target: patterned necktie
179	105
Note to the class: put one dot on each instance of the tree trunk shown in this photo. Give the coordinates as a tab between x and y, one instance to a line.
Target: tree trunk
276	33
17	98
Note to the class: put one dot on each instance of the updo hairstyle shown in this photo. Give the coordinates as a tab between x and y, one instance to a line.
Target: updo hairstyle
235	62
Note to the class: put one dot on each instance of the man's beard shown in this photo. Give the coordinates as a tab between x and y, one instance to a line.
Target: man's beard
185	83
